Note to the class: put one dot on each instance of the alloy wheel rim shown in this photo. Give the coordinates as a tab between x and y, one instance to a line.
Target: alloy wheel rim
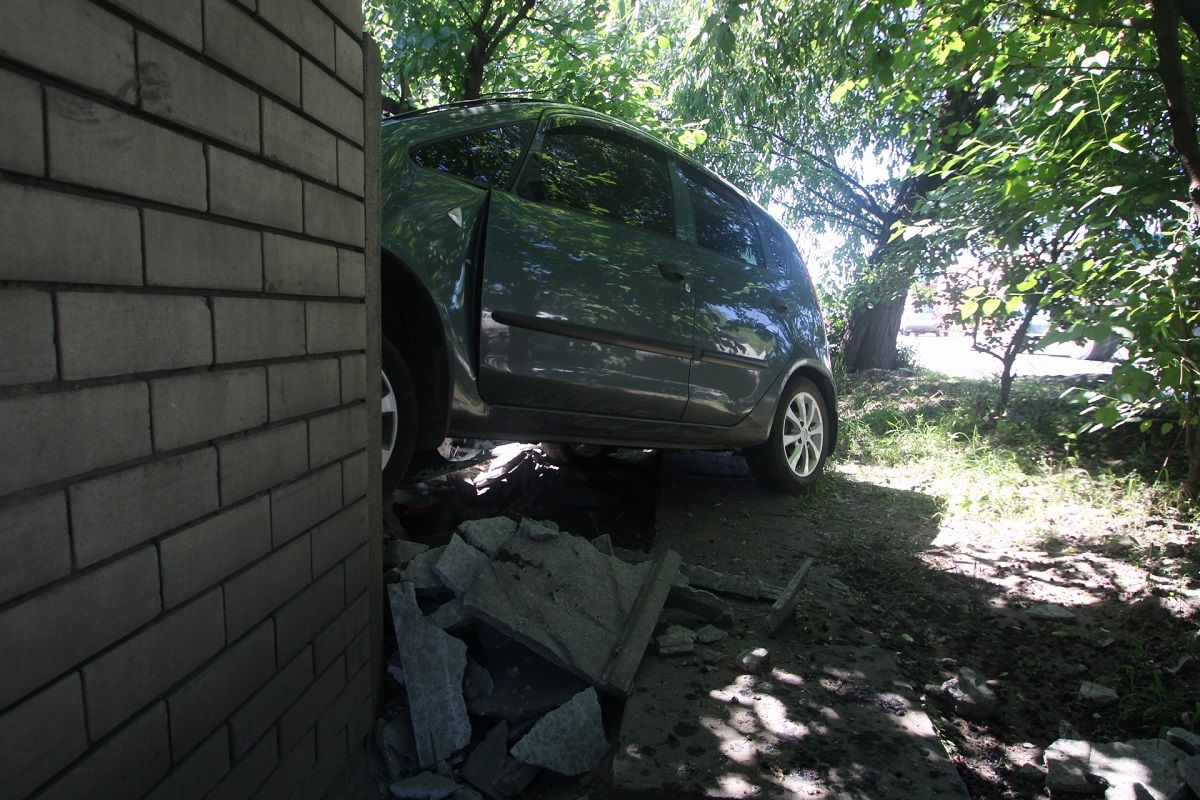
803	435
390	415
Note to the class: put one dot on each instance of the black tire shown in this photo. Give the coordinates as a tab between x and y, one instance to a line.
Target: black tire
403	419
769	461
578	454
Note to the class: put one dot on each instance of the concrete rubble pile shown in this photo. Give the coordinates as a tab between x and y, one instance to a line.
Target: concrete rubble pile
513	640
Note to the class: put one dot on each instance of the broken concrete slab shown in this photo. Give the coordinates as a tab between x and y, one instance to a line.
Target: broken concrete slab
1140	769
419	572
676	640
488	535
434	663
451	615
569	740
723	583
591	614
459	565
394	740
789	599
774	736
424	786
486	762
478	681
705	605
538	531
402	551
524	684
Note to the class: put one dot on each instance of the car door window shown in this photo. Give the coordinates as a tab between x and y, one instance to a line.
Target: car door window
603	172
723	222
486	157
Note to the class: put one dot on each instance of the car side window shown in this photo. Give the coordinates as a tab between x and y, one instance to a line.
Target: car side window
723	222
486	157
605	173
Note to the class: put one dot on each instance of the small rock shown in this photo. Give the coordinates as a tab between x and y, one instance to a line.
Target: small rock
538	531
1106	642
1185	740
676	640
424	786
839	585
904	637
711	657
1051	613
710	634
1095	695
756	661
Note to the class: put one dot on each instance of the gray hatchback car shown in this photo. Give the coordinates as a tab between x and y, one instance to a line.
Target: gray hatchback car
551	274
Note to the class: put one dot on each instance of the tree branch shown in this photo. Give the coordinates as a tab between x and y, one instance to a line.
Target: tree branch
1165	16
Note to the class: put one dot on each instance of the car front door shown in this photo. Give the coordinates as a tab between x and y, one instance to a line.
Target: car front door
743	305
586	300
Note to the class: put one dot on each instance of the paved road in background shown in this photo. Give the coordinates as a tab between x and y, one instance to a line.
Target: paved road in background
952	355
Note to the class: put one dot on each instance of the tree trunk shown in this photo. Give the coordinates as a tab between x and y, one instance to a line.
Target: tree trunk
476	62
1191	486
870	341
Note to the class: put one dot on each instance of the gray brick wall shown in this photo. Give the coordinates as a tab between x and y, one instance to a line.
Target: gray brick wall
188	274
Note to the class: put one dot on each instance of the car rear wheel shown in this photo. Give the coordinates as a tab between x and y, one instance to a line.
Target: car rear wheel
793	457
398	409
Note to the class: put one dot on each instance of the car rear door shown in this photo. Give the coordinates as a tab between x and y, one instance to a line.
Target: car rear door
586	301
744	303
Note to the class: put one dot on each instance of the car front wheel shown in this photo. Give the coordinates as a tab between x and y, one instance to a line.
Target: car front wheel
793	457
398	409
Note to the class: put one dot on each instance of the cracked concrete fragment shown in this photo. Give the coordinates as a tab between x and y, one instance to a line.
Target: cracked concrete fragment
488	535
724	583
569	740
459	565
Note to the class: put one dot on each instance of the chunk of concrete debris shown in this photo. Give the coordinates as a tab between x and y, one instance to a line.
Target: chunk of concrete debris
966	694
785	606
1185	740
705	605
723	583
1051	613
488	535
394	739
434	663
486	762
591	614
478	681
632	556
1067	768
1189	770
424	786
676	640
1140	769
466	793
451	615
710	634
524	684
459	565
1095	695
538	531
402	551
604	544
419	573
569	740
755	661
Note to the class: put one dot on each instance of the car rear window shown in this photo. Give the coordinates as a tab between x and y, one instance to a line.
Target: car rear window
723	223
486	157
603	173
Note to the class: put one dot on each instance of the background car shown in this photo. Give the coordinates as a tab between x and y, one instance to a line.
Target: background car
551	274
921	319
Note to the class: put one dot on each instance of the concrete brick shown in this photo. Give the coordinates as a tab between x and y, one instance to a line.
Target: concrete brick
330	761
336	326
339	536
206	553
118	511
352	274
296	266
349	59
27	330
199	705
252	720
347	12
301	387
255	593
298	622
351	168
186	251
238	41
333	722
21	139
292	770
194	408
62	626
299	506
357	574
180	18
51	436
177	87
300	718
141	668
354	476
253	463
251	328
199	772
41	736
74	40
354	377
35	544
332	642
334	435
304	23
125	766
115	333
249	773
332	215
328	101
254	192
295	141
50	236
97	146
